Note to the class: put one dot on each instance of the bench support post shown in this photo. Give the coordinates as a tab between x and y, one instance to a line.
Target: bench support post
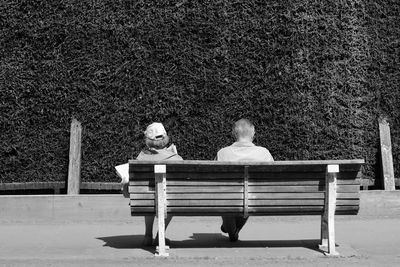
246	192
328	217
161	194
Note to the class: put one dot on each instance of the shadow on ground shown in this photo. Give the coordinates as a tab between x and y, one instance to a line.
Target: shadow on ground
207	240
126	242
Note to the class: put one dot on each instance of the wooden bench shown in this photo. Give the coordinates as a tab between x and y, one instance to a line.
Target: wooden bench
212	188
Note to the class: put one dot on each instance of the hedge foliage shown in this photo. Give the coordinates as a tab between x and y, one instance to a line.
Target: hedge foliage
314	76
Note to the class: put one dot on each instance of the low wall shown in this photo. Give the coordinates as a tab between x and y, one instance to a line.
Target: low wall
53	208
379	203
64	208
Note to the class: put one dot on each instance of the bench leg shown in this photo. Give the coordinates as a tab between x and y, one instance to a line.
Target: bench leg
160	178
324	232
328	218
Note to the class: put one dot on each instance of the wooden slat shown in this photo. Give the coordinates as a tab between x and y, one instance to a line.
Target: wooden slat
192	196
349	182
252	163
204	189
190	175
191	209
352	195
196	196
141	189
282	189
285	169
150	183
253	211
289	188
260	196
210	176
237	189
189	189
348	188
285	182
296	202
31	185
192	202
239	182
316	195
300	182
272	195
299	175
239	202
296	209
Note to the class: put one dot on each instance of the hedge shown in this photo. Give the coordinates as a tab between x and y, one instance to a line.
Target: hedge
314	76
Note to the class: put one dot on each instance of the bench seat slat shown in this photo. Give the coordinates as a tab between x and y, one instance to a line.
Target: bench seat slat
284	208
253	211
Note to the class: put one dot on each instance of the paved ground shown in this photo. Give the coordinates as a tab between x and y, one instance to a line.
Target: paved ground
198	242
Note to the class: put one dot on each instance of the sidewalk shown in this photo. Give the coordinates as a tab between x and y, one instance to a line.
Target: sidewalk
197	241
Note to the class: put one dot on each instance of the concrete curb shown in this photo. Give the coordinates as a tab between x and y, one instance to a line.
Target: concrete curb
379	203
99	208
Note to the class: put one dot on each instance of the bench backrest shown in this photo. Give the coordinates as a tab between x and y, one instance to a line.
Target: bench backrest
253	188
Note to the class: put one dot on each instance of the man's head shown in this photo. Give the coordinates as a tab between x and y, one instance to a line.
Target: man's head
156	136
243	130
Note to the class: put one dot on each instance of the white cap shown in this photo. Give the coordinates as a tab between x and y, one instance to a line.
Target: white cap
155	131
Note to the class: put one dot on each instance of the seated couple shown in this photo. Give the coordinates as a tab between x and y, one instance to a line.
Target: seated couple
243	149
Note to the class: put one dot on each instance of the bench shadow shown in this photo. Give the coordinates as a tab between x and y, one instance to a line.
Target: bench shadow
126	242
208	240
217	240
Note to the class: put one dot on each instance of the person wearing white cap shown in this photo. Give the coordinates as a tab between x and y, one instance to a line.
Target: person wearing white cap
242	150
156	140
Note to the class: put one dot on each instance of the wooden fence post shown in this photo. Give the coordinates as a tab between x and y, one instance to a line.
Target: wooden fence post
386	156
74	168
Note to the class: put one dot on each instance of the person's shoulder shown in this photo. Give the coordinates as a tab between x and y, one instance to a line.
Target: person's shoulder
169	155
265	152
223	150
176	157
141	155
223	153
261	148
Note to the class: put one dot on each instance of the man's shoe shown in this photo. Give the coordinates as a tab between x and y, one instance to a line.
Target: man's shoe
235	236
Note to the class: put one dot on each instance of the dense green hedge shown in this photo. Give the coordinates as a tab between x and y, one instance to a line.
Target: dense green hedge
314	76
